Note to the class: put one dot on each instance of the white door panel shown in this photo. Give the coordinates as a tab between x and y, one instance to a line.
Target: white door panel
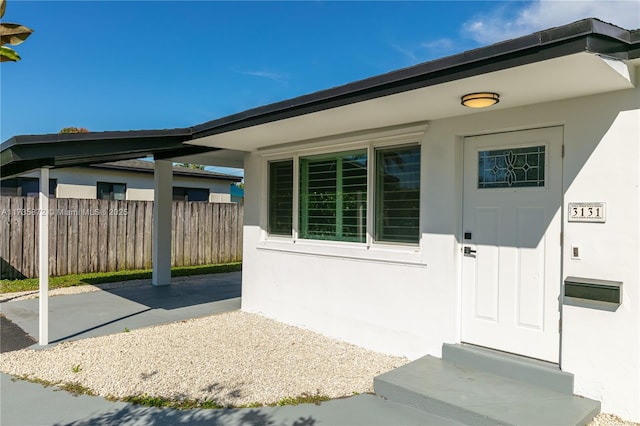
511	271
487	272
531	262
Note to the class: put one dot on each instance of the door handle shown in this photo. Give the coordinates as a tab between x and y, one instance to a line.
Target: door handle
469	252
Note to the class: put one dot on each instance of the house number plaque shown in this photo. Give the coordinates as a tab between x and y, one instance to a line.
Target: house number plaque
587	212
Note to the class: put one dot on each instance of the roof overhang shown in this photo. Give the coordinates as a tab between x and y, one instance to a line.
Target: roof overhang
21	154
583	58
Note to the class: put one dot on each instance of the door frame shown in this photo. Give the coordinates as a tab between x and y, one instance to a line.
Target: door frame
460	237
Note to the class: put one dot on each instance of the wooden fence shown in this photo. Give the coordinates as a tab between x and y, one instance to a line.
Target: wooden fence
103	236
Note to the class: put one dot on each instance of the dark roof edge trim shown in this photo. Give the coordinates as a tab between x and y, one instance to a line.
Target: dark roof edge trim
97	136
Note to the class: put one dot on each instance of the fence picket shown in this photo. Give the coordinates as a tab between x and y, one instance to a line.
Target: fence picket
72	237
179	233
53	240
103	235
82	264
5	230
61	212
29	247
92	236
139	235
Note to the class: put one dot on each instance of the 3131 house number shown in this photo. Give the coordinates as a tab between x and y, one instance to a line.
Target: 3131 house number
587	212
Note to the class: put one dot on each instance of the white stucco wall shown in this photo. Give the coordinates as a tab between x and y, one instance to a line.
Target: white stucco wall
392	304
371	298
79	182
603	348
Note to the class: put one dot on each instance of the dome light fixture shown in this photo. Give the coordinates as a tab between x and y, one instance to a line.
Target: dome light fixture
480	100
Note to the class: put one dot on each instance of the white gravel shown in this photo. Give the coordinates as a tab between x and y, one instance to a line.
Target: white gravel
234	358
605	419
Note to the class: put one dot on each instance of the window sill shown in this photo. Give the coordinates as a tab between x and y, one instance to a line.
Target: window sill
379	253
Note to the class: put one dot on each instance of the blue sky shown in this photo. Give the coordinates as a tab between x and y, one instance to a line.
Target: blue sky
124	65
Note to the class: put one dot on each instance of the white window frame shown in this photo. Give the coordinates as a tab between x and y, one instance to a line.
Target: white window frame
373	188
393	252
266	176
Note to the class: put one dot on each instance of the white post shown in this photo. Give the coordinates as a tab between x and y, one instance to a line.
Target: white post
43	253
163	196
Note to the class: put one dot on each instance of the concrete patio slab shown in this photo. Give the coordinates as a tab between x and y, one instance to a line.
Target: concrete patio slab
13	337
98	313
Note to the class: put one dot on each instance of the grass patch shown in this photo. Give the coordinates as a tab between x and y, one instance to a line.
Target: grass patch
25	377
252	405
31	284
178	404
76	389
305	398
188	404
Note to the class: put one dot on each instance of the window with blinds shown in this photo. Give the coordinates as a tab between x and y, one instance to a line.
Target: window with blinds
398	194
280	197
333	196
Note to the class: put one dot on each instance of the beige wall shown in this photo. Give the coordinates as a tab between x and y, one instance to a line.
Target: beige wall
79	182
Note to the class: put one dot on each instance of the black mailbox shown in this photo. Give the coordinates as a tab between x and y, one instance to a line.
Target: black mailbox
592	293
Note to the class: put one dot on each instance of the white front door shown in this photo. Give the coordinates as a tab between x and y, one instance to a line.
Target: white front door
512	242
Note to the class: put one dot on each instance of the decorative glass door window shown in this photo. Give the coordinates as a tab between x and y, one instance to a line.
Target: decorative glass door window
512	167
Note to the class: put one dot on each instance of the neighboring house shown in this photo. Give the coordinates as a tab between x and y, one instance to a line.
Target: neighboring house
127	180
387	214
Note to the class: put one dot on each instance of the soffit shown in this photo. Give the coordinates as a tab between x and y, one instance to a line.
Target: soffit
221	157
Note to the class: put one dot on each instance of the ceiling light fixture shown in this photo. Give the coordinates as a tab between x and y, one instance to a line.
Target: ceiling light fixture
480	100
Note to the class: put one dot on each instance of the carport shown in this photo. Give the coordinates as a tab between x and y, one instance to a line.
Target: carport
22	154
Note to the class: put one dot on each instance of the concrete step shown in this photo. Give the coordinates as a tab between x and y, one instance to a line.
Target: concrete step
474	397
535	372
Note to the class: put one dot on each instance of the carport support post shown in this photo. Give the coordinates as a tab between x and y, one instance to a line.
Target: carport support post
43	257
162	200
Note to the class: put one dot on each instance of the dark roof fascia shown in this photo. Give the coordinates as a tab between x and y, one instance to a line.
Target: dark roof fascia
203	174
591	35
180	133
23	153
